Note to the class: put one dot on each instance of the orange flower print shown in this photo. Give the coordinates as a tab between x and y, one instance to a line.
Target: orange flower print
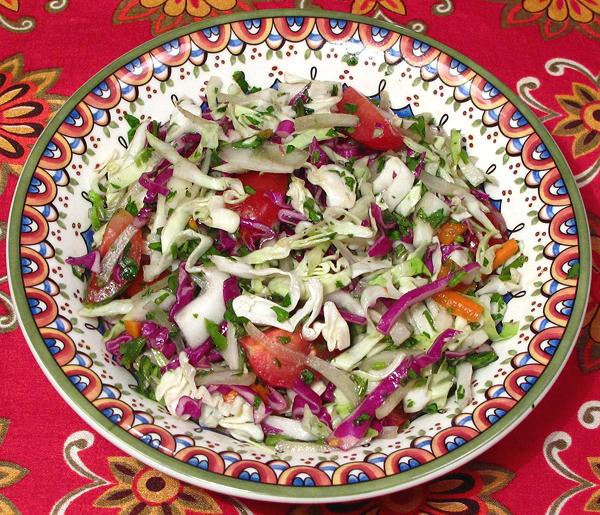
169	14
140	489
582	119
554	17
24	109
582	11
198	8
13	5
366	6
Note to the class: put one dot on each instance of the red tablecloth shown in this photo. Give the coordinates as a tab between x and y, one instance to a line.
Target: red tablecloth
548	50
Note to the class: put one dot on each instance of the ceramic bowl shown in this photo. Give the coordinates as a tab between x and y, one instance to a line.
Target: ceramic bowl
536	193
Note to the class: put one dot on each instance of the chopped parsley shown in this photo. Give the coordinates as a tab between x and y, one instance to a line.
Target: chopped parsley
307	376
517	263
282	314
214	330
131	207
131	350
434	219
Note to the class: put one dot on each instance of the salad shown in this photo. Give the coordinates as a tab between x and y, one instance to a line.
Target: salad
297	263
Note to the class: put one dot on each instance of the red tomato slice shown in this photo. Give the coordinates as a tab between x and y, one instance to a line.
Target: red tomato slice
258	206
278	370
373	130
96	292
138	284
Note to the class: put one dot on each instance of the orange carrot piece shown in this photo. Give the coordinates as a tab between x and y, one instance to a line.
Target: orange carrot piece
459	305
505	252
133	328
449	231
230	396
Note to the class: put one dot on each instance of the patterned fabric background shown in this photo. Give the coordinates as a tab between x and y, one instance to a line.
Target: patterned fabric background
547	50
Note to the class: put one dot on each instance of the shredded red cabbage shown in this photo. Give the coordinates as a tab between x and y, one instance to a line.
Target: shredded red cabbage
428	258
275	401
484	347
329	394
285	128
407	300
156	185
378	216
226	242
352	318
90	261
382	246
255	230
290	216
322	158
188	406
354	428
434	354
114	346
421	165
158	338
269	429
449	249
231	289
480	195
186	289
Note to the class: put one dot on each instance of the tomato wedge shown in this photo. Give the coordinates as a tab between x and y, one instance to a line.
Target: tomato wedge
374	130
97	292
278	370
258	206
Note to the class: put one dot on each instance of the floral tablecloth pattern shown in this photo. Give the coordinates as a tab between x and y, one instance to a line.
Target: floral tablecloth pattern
547	50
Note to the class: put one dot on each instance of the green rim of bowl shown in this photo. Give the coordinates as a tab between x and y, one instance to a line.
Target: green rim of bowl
279	493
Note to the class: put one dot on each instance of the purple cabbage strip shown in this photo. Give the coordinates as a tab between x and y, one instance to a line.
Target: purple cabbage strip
114	346
156	185
90	261
329	394
378	216
278	199
275	401
382	246
315	147
269	429
352	317
420	166
428	258
188	406
407	300
449	249
231	289
348	149
158	338
308	394
186	289
226	242
142	218
285	128
354	428
262	411
480	195
301	95
434	354
290	216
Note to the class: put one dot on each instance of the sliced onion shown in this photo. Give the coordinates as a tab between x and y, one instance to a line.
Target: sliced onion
392	401
227	377
231	354
437	185
336	376
111	258
325	120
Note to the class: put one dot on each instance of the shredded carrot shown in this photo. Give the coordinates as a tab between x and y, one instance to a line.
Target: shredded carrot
133	328
230	396
459	305
447	268
192	224
449	231
261	391
506	251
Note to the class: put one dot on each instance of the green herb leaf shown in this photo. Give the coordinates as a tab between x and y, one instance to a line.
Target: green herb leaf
282	314
482	359
131	350
517	263
214	330
435	219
